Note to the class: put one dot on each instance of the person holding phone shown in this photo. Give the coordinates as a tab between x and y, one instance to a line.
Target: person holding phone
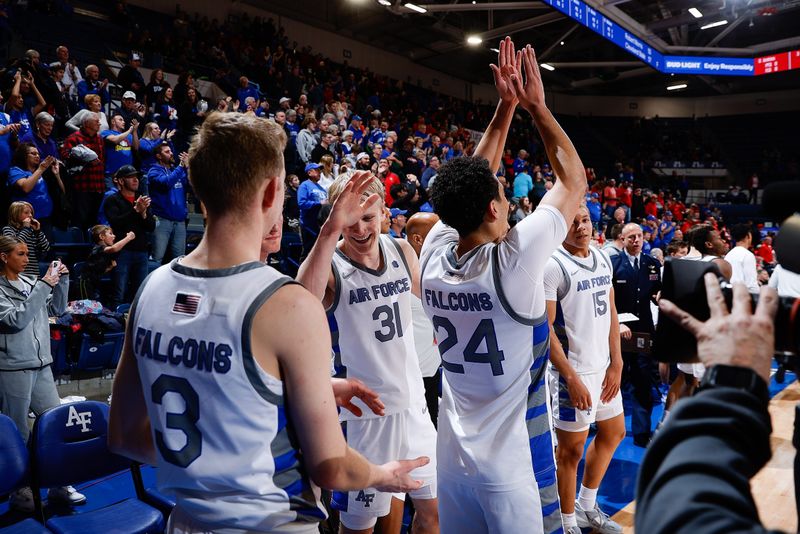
26	380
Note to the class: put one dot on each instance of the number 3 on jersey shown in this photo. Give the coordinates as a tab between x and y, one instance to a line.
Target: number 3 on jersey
186	422
484	333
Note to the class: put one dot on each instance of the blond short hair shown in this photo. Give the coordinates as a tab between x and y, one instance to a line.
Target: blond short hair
15	211
221	178
336	188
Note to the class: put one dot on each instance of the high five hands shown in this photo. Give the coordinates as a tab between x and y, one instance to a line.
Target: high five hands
508	76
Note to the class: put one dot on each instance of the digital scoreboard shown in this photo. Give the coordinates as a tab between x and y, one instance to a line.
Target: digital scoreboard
589	17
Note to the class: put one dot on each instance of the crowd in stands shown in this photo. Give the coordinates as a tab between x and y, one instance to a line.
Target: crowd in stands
63	141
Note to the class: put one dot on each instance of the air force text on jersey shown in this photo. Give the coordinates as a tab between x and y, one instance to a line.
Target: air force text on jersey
597	281
457	301
387	289
192	353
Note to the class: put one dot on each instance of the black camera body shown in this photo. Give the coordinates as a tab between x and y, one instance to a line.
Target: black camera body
683	285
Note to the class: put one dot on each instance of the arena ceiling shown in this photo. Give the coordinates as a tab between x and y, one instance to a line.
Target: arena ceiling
584	62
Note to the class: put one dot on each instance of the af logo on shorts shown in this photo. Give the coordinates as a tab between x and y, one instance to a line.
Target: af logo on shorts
83	419
366	498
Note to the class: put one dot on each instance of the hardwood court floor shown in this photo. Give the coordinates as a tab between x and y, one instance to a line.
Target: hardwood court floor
773	486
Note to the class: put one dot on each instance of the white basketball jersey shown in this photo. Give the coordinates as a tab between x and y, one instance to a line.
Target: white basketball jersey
372	329
225	441
581	287
488	357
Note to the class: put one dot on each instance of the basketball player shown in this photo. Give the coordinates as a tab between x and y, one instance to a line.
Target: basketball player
218	385
483	290
586	372
430	363
365	282
705	245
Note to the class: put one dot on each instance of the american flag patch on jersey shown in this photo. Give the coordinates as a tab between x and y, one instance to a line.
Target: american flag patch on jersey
186	303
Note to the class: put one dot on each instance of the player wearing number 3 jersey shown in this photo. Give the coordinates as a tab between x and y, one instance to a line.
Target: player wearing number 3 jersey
365	281
482	289
224	378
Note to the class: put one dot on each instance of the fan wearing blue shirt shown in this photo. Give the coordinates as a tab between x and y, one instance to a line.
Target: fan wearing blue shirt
310	198
523	183
120	144
168	195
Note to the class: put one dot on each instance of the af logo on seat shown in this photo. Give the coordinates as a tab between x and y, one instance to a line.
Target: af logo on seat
84	419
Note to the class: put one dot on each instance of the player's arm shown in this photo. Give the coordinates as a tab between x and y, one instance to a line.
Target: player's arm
613	376
578	393
413	266
571	183
494	139
301	359
129	425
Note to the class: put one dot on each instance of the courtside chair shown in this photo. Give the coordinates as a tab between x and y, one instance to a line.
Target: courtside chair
14	473
68	446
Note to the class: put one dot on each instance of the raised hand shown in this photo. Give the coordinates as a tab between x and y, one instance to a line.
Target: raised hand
506	70
351	206
530	93
48	161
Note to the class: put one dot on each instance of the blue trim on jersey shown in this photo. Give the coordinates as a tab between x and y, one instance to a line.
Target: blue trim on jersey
339	369
566	411
339	500
290	474
536	411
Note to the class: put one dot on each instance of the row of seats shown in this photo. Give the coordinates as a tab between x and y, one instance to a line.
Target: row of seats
68	446
93	355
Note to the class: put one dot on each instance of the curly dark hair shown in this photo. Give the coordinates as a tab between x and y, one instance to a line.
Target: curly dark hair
699	235
463	188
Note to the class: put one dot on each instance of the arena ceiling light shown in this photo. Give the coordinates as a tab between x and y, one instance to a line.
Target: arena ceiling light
695	12
415	7
495	50
386	3
474	40
677	87
547	66
722	22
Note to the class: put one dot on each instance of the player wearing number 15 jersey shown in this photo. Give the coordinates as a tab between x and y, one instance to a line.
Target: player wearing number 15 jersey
365	281
482	289
586	371
218	385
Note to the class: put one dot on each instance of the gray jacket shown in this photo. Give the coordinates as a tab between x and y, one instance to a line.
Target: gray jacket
24	325
305	144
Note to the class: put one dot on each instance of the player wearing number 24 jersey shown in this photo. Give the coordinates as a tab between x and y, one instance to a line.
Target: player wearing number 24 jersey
482	289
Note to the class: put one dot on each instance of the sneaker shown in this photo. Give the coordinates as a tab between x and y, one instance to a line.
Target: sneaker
573	530
22	500
66	495
596	519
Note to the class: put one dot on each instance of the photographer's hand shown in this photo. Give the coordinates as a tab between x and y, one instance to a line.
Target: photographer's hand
740	338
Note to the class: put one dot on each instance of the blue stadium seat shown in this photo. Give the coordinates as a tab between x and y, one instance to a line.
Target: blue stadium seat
164	503
99	355
14	473
123	308
71	235
68	446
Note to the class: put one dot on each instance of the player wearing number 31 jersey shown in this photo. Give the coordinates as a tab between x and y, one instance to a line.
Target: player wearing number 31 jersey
482	289
365	281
